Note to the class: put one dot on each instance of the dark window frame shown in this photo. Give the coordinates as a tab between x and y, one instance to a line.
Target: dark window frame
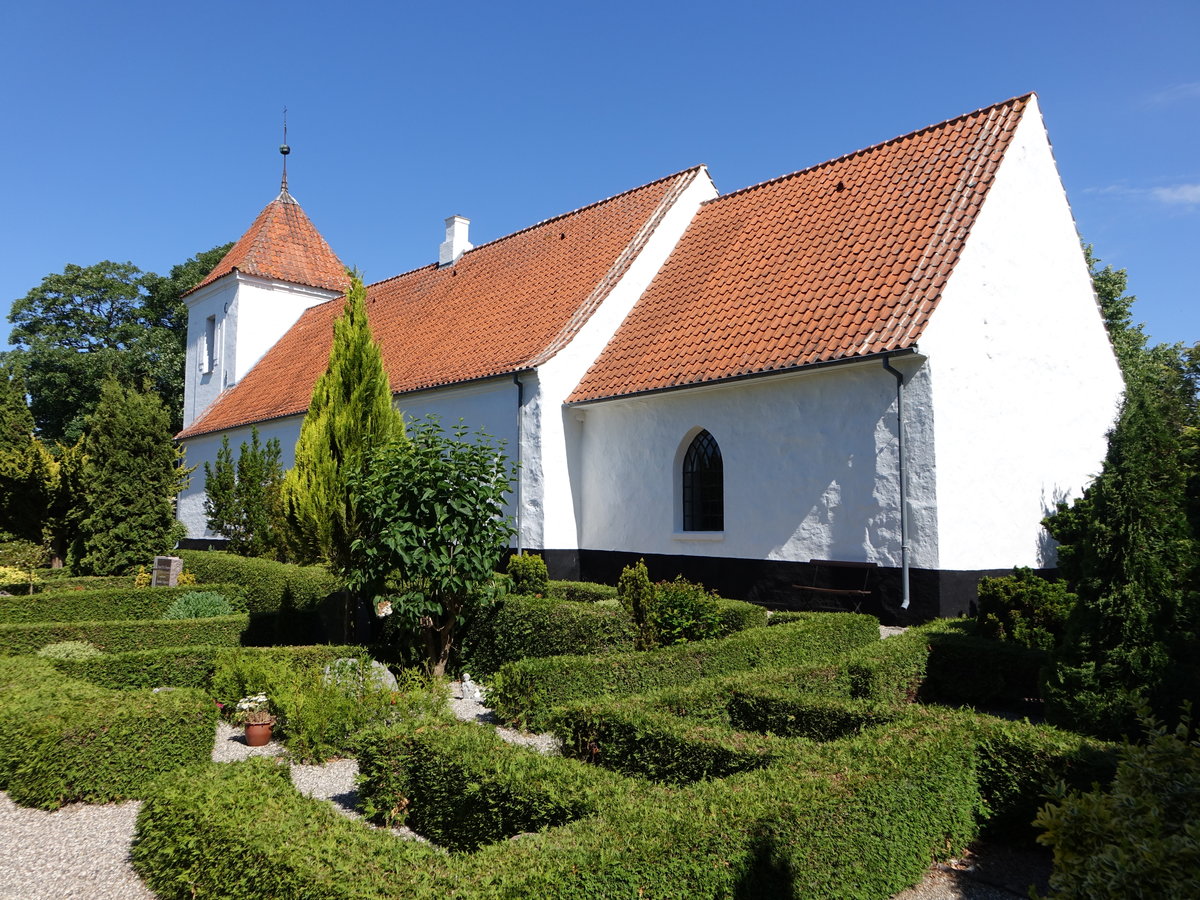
703	482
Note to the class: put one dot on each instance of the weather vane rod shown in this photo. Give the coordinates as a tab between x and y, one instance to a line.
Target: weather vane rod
284	150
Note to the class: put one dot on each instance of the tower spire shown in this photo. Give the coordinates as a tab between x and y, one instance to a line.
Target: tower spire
284	150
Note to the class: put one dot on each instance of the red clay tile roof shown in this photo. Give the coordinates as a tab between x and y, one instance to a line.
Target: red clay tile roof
283	245
503	307
845	259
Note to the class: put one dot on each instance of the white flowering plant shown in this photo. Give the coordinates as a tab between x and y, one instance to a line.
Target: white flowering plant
254	710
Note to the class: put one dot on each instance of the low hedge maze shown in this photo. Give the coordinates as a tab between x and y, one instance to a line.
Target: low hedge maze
820	778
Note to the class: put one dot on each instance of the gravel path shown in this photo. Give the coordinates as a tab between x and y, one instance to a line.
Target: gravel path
82	851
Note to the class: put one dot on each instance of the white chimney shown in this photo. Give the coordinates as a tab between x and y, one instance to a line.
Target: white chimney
456	243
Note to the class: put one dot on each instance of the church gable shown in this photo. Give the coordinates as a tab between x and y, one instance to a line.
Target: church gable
842	260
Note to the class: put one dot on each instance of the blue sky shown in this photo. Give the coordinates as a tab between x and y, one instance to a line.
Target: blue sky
149	131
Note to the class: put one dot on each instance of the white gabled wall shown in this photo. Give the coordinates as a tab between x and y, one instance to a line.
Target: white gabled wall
551	487
1023	375
809	461
488	405
251	315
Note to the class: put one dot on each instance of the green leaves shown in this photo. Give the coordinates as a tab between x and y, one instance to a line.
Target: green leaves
433	529
243	500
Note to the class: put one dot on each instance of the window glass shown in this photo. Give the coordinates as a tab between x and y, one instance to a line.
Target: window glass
703	486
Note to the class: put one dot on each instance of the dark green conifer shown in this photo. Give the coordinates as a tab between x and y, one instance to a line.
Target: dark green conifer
130	476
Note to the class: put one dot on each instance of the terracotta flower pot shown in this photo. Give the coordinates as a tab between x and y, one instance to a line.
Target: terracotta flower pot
258	735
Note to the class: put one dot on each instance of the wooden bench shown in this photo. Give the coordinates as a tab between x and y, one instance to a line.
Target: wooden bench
837	586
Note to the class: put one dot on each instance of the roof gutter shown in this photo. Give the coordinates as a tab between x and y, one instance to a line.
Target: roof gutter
732	379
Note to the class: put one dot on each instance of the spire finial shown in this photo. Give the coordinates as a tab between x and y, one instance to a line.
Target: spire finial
284	150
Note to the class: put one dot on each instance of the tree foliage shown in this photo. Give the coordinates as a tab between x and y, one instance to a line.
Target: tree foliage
242	498
1128	546
88	323
28	472
350	415
433	530
130	476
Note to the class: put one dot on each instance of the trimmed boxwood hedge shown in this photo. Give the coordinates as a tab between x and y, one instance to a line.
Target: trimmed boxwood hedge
63	740
106	604
519	627
526	691
288	604
965	668
859	818
190	667
736	615
119	636
581	591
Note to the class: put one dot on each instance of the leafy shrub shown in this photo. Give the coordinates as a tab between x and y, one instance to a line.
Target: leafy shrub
1138	838
636	594
320	715
784	617
517	627
14	579
199	605
528	573
63	740
683	611
119	636
581	591
69	650
1024	609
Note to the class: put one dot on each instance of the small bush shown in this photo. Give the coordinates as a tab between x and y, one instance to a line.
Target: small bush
683	611
528	574
581	591
1025	609
199	605
636	594
1138	838
15	579
69	650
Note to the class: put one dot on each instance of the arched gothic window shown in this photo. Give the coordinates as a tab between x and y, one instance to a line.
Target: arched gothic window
703	486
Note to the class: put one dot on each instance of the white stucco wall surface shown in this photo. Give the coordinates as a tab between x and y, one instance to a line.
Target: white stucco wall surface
559	428
204	449
809	460
251	314
490	406
1023	376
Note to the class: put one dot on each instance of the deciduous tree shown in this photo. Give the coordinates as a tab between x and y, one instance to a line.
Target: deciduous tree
433	530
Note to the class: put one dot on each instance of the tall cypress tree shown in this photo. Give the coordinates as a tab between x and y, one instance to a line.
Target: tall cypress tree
131	474
1128	546
350	414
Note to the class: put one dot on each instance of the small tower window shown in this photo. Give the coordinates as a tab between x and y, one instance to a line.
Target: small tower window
209	358
703	485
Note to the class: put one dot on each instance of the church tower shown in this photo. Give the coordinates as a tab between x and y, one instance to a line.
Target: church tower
280	267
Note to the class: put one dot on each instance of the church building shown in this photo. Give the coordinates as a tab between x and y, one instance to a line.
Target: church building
858	386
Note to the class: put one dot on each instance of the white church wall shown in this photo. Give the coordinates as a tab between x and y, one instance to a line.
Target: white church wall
1023	375
250	315
204	448
556	490
809	460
